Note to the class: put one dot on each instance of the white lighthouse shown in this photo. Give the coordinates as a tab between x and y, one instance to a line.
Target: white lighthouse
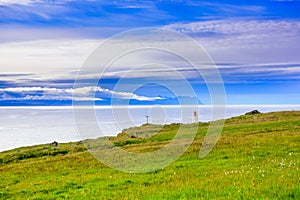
195	117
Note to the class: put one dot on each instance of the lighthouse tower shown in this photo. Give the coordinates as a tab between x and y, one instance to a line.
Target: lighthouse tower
195	117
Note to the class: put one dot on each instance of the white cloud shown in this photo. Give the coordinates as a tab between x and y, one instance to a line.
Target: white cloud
47	97
45	58
115	94
21	2
127	95
30	89
83	93
29	2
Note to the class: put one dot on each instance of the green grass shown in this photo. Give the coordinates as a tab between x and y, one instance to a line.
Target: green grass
256	157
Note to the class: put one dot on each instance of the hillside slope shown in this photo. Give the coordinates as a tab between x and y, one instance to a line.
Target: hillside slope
257	156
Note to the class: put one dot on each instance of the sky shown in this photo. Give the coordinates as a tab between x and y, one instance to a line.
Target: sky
45	44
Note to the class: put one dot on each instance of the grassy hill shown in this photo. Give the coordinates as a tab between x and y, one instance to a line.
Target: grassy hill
256	157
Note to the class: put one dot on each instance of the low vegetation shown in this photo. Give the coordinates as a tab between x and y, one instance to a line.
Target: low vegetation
256	157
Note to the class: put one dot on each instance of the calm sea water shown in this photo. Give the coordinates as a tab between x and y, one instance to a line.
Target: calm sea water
25	126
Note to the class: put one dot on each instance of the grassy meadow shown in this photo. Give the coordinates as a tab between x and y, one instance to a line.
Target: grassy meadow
256	157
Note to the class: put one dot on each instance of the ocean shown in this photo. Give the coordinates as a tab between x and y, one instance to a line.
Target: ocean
25	126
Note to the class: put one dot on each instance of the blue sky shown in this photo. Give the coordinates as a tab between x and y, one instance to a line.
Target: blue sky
43	43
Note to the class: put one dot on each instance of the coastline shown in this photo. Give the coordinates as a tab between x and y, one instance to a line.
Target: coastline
81	139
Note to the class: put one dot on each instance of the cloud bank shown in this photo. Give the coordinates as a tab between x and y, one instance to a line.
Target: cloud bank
78	94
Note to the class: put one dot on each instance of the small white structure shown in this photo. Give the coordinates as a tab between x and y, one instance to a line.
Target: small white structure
195	117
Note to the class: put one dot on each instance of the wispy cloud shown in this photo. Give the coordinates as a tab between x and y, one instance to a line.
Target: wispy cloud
30	2
226	7
44	58
239	27
284	0
20	2
261	73
246	41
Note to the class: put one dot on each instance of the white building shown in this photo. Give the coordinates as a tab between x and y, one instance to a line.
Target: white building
195	117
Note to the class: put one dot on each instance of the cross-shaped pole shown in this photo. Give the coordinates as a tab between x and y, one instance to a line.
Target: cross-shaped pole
147	117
